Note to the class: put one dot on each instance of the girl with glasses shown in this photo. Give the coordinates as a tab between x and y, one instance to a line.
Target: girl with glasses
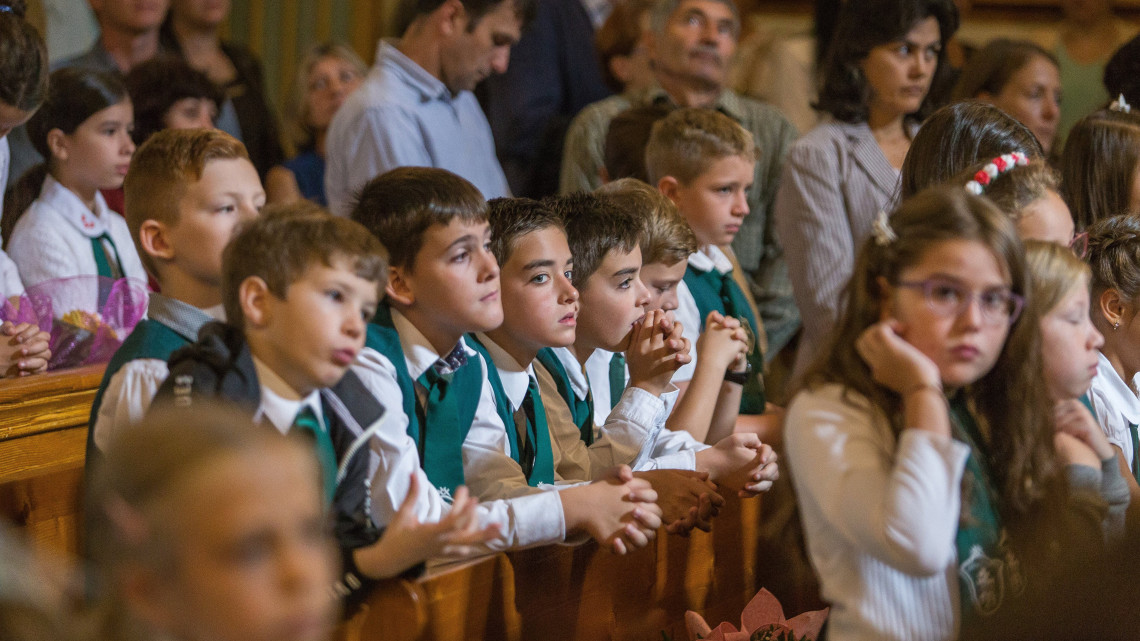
919	481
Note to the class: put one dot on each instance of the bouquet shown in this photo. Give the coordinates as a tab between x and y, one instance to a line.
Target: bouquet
762	620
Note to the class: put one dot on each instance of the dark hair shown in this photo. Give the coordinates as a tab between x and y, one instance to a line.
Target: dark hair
626	139
990	68
618	36
399	206
1015	189
281	246
956	137
595	225
1098	165
864	25
1114	258
156	85
23	59
1122	73
410	10
74	95
512	218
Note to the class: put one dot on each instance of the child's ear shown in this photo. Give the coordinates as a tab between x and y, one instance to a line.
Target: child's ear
1111	307
57	143
668	186
254	297
152	239
398	289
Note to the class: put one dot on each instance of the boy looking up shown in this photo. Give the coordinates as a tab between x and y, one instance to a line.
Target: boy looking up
443	282
703	161
185	191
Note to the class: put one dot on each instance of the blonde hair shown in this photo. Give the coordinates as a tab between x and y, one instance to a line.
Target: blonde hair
1054	271
685	143
1114	257
297	109
666	237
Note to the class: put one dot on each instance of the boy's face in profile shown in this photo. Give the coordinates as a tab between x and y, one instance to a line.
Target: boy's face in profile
540	305
452	286
612	300
313	334
229	192
715	202
661	280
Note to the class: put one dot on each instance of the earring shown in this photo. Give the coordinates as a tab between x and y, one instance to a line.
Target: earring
1116	326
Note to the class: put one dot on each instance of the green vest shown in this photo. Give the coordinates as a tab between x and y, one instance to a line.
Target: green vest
542	468
715	291
581	410
440	446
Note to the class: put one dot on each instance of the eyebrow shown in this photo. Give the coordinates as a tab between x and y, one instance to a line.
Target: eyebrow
467	238
628	271
541	262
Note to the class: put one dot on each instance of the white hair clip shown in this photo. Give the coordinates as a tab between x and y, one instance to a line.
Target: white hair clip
1120	104
993	169
882	231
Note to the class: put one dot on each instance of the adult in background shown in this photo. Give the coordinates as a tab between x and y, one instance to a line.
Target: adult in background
691	44
416	108
555	74
193	32
876	89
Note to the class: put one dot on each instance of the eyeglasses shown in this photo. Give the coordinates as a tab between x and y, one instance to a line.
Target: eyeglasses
1080	244
948	299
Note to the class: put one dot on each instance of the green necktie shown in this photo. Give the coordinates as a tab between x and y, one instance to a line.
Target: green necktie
306	421
617	378
530	417
1134	432
103	264
439	415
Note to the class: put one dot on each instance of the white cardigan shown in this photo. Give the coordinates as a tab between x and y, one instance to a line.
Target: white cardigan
880	517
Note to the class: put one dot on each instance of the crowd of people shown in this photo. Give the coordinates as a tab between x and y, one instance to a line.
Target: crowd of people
512	291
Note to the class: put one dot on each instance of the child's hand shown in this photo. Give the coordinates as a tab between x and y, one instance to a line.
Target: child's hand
740	462
1072	451
621	512
895	363
1073	418
687	499
24	349
723	342
655	353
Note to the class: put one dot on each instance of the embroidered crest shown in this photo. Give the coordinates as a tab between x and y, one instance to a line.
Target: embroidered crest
985	579
445	493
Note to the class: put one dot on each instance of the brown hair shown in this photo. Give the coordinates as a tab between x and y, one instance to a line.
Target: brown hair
1017	188
23	59
595	226
1054	272
297	109
1114	257
513	218
1099	164
990	69
665	236
686	142
400	205
1021	432
626	139
279	247
161	170
618	36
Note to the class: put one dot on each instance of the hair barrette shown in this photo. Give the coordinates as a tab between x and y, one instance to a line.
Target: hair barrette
1120	104
993	169
882	231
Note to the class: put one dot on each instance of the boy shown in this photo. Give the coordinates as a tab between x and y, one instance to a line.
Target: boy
703	161
298	288
185	191
443	282
603	239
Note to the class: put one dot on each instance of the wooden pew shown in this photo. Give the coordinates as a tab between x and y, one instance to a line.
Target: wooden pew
43	438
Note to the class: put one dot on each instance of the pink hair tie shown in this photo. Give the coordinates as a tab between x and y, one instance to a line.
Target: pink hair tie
993	169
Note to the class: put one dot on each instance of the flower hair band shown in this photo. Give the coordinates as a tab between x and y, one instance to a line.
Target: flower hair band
1120	104
993	169
882	231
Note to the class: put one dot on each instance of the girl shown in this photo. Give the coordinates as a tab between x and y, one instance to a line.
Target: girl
167	93
911	465
328	74
884	58
1021	79
83	130
1114	256
1029	193
1100	164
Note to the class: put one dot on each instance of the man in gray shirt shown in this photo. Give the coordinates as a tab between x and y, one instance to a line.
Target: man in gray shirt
416	108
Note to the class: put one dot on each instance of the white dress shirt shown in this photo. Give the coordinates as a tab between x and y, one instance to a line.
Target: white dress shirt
1116	405
705	259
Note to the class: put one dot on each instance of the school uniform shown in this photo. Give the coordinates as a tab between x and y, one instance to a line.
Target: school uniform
708	285
633	432
447	445
58	237
10	283
1117	409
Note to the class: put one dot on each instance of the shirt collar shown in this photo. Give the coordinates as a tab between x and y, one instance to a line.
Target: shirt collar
598	10
727	102
709	258
514	376
73	210
1120	396
415	76
179	316
280	403
578	381
418	352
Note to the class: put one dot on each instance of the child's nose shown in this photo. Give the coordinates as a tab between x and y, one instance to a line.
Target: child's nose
642	293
